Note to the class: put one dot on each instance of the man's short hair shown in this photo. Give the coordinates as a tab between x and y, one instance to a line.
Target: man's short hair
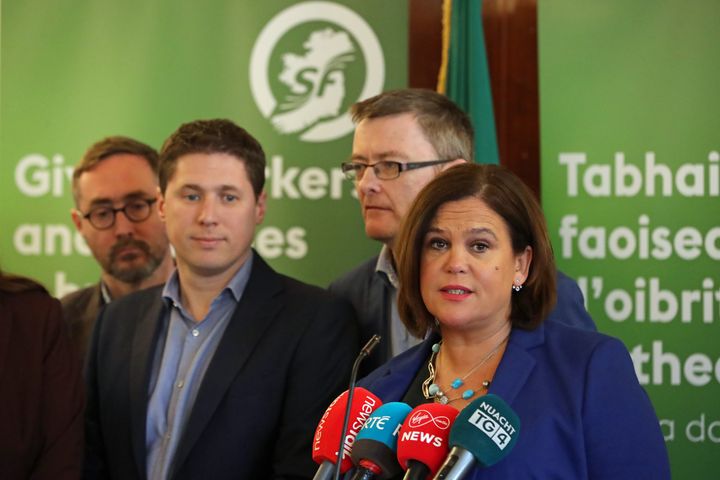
447	128
213	136
106	148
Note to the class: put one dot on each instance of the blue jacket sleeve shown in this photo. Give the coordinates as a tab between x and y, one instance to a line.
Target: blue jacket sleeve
622	433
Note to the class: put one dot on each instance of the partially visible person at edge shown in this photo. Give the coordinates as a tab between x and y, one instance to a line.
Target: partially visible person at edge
41	419
224	372
115	188
477	271
403	139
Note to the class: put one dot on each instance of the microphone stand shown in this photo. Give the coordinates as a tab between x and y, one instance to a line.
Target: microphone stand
369	346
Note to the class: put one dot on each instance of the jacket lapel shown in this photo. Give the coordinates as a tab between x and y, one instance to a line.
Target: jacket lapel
377	298
251	319
95	302
144	345
517	364
378	303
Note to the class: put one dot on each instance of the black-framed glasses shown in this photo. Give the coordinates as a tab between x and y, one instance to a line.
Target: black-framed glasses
386	169
136	211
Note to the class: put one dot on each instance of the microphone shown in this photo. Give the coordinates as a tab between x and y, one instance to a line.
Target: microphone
364	352
374	452
423	442
367	349
484	432
328	432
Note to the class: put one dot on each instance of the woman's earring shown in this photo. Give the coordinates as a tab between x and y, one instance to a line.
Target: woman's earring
517	286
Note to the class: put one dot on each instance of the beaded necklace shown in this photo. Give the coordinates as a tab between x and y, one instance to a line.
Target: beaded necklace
432	390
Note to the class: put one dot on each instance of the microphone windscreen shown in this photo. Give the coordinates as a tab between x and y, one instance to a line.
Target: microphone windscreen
424	435
487	428
327	433
377	441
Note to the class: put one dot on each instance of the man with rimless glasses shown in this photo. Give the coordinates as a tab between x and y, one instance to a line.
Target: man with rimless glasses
115	188
403	139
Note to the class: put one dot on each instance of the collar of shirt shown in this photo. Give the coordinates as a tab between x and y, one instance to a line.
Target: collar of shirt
105	293
236	286
385	265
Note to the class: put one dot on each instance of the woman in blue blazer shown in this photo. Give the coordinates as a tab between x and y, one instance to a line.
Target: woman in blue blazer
477	271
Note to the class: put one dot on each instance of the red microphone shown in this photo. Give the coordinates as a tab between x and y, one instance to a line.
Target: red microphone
327	433
423	442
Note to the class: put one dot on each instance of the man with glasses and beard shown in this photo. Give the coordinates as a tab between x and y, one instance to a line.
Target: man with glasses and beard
115	187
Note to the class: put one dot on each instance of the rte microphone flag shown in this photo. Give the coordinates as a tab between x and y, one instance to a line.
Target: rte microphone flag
423	442
328	431
484	433
375	449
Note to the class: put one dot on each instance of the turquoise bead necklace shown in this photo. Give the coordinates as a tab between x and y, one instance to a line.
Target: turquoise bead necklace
432	390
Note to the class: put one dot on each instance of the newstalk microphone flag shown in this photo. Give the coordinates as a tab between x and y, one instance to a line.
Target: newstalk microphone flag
464	76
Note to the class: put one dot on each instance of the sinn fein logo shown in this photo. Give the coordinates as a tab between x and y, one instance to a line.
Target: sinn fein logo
309	63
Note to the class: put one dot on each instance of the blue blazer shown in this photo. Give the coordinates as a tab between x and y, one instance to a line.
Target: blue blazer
582	412
285	354
371	294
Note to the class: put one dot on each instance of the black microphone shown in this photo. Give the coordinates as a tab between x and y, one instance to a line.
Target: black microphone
364	352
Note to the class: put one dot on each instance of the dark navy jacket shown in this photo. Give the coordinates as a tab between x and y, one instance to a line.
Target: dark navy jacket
583	414
286	353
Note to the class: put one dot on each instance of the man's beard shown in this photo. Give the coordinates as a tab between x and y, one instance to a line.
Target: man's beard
135	274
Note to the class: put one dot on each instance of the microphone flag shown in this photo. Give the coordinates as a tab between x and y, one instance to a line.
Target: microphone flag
423	442
327	434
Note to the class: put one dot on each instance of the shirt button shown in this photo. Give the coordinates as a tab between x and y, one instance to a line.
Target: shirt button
195	332
180	384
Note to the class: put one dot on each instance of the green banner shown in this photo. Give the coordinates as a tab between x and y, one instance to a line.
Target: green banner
75	72
631	186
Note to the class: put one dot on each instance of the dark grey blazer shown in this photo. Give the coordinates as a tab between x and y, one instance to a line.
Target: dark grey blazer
80	310
371	293
285	355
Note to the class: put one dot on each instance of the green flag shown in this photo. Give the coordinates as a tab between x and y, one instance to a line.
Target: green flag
464	75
